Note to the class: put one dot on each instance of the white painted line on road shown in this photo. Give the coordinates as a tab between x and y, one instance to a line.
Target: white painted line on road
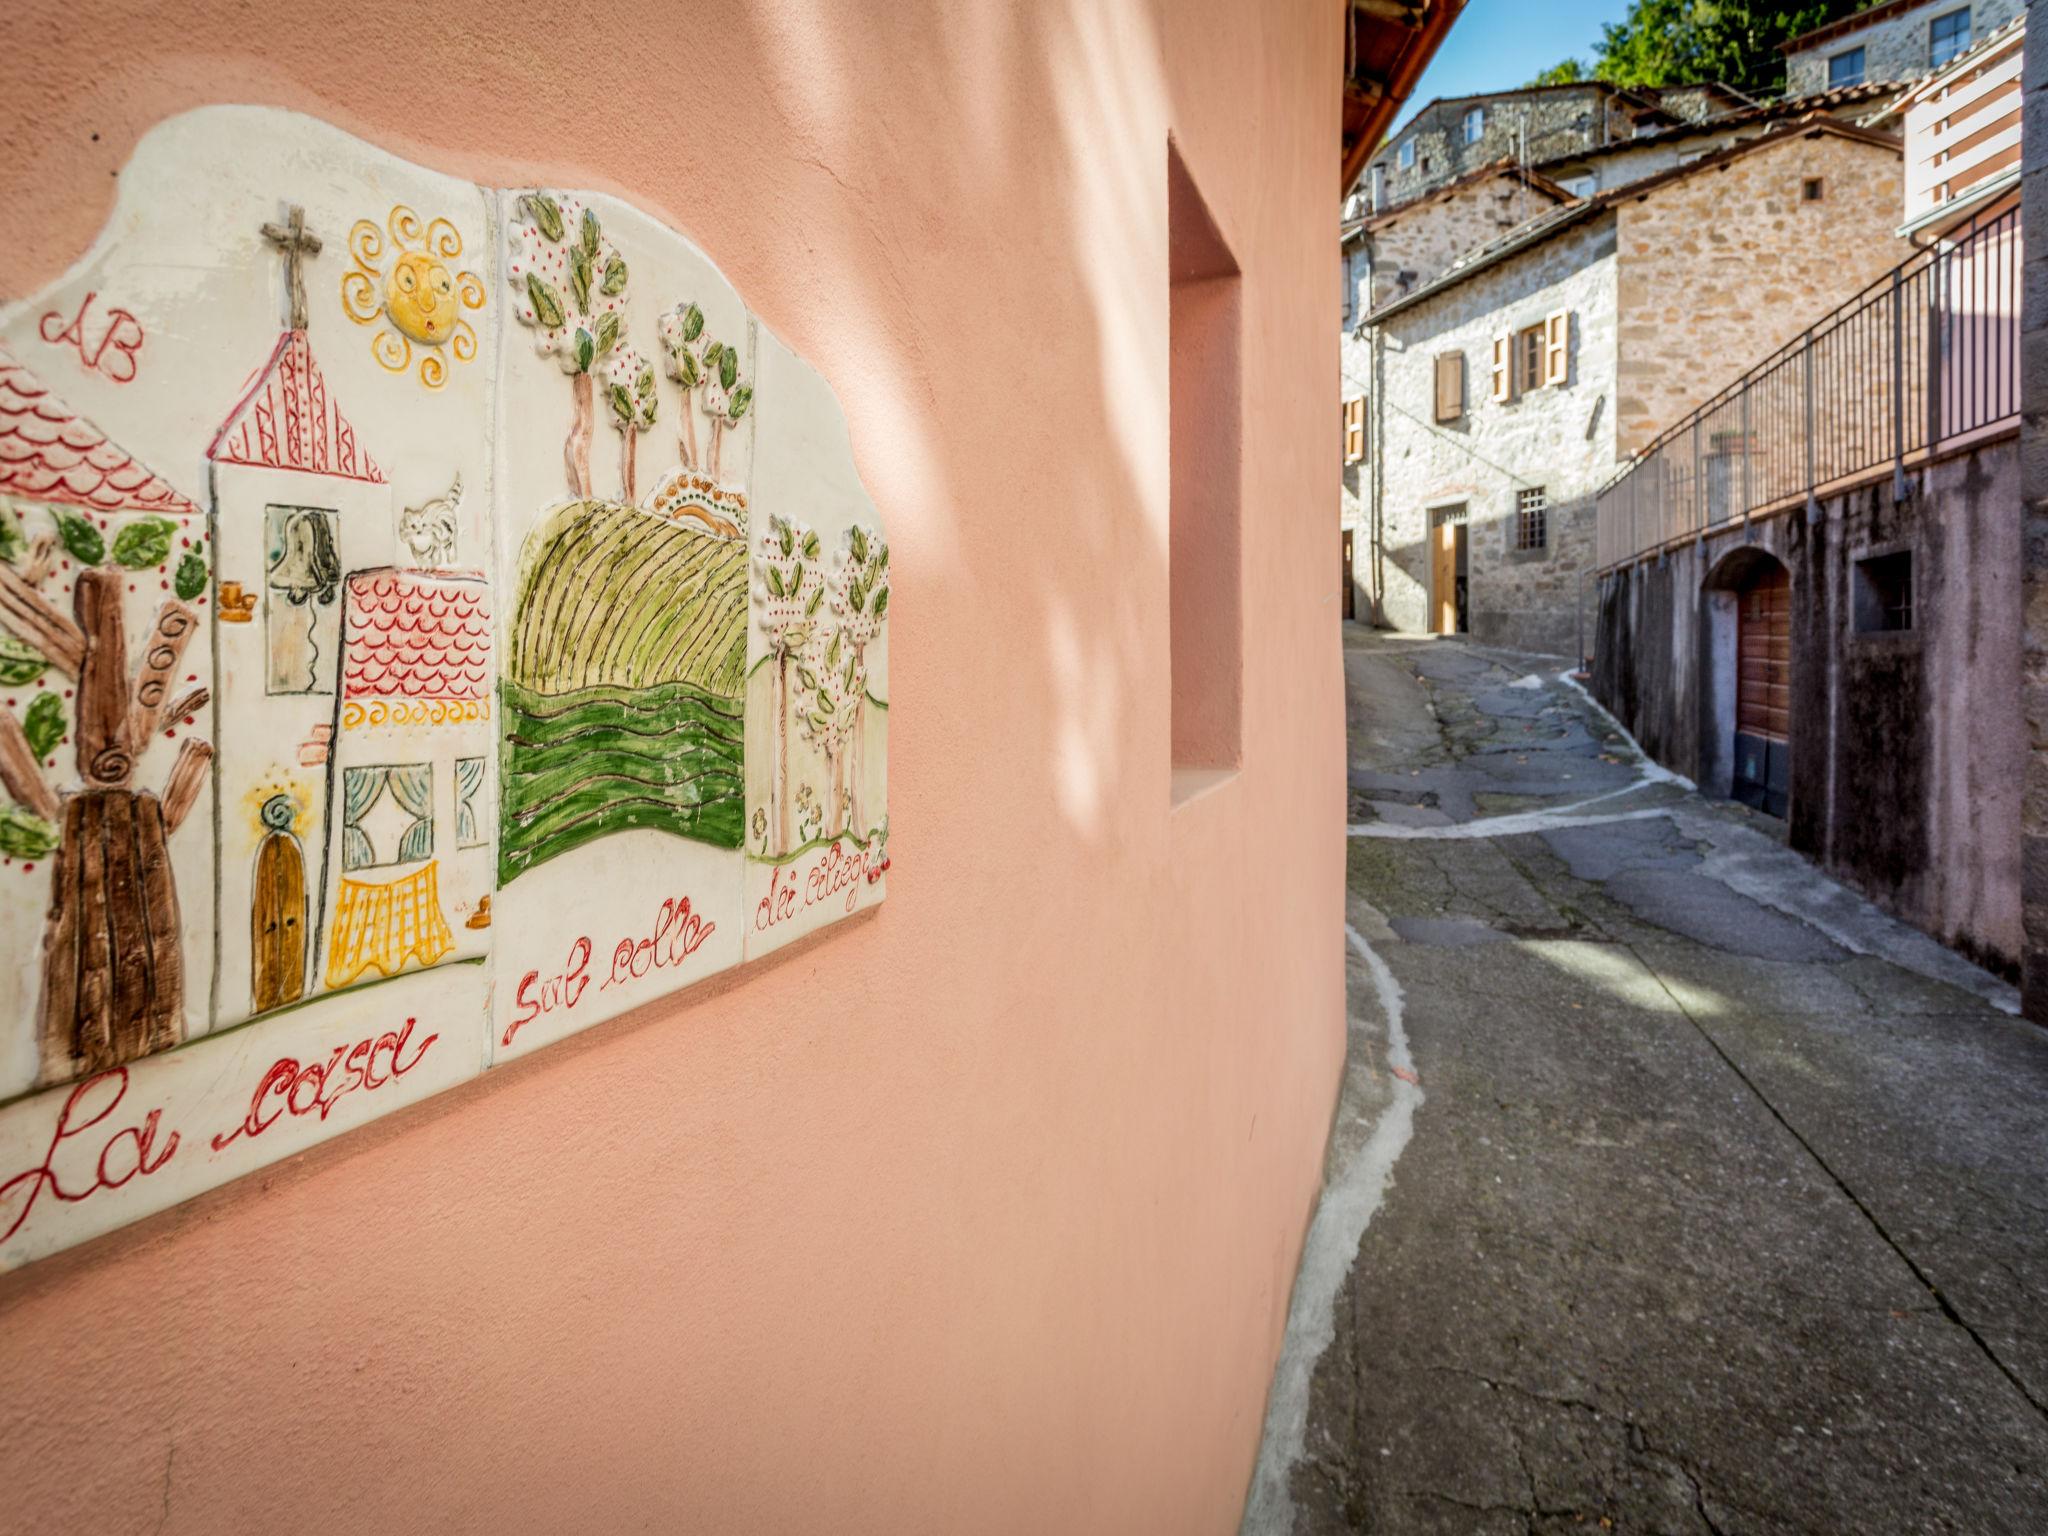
1518	823
1351	1197
1653	771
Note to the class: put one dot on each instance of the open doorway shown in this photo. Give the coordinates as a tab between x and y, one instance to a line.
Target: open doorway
1449	575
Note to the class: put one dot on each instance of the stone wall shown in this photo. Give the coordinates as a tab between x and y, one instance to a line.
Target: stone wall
1907	754
1419	245
1721	268
1560	438
2032	699
1628	162
1559	121
1896	47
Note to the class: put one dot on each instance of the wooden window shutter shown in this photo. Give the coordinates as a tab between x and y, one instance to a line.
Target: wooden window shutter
1557	347
1503	383
1354	430
1450	386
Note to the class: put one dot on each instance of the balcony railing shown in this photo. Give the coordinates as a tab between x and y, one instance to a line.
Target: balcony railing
1963	127
1921	363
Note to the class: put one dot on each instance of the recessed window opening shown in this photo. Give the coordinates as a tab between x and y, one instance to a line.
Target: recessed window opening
1845	69
1813	189
1475	124
1884	593
1405	155
1948	36
1205	425
1532	518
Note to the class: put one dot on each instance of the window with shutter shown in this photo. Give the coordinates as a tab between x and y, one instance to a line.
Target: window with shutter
1529	366
1354	430
1450	386
1557	348
1503	384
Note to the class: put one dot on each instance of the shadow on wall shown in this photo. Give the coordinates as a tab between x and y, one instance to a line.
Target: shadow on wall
997	332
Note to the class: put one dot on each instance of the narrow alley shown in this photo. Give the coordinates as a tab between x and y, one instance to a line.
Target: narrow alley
1674	1188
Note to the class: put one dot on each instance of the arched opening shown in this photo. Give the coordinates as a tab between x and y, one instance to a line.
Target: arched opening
1746	662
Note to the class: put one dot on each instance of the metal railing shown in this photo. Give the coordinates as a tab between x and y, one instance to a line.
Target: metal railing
1922	361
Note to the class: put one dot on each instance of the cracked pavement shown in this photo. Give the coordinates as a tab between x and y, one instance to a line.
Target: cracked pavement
1721	1209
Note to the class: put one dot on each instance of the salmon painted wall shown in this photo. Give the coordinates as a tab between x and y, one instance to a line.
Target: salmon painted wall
979	1212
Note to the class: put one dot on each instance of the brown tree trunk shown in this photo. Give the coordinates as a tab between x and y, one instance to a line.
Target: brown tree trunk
576	451
779	780
711	464
629	454
687	442
113	958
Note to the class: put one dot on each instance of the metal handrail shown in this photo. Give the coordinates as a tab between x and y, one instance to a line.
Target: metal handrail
1924	356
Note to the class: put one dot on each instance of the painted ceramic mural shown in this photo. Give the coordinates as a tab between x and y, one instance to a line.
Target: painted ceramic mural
433	619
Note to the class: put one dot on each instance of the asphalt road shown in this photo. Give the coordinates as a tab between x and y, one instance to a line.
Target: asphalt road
1674	1188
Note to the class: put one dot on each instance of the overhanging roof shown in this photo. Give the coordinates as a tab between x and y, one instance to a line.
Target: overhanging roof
1387	45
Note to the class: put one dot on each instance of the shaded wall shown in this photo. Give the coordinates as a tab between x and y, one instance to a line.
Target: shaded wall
978	1214
1907	751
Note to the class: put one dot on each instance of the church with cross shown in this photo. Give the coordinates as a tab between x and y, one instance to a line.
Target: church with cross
353	717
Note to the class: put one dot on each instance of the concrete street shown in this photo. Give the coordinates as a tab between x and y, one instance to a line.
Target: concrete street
1674	1188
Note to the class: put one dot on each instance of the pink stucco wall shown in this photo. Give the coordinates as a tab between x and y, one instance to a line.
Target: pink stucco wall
977	1214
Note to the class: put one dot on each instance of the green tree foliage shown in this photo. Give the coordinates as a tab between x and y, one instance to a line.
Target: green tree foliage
1683	42
1570	72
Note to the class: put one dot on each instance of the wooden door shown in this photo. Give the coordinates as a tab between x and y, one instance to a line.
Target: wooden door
1350	581
1763	692
1444	576
277	923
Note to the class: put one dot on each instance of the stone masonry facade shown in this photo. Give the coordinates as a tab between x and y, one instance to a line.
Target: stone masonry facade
1896	46
1417	244
1603	170
1559	438
1532	125
1721	268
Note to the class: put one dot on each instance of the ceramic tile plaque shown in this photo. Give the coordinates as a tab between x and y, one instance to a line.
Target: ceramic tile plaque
433	619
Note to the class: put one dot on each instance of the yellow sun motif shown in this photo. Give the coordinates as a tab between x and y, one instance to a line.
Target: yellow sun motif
420	294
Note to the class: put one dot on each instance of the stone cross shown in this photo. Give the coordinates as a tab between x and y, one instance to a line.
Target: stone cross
294	240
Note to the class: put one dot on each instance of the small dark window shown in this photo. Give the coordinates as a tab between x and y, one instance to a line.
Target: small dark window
1884	592
1532	518
1813	189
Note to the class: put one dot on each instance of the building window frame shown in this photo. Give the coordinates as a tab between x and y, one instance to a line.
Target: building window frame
1532	520
1474	124
1532	357
1842	73
1404	154
1956	40
1882	595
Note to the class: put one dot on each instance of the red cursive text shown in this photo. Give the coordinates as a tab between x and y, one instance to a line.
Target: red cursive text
120	340
678	934
563	990
316	1087
122	1156
836	868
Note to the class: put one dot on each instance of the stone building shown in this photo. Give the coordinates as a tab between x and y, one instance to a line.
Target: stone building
1587	172
1495	401
1391	253
1832	628
1898	40
1456	135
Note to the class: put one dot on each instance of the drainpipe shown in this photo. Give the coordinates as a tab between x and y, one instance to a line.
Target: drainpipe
1377	480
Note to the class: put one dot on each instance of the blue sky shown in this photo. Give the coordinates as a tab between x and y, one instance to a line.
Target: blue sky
1499	44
